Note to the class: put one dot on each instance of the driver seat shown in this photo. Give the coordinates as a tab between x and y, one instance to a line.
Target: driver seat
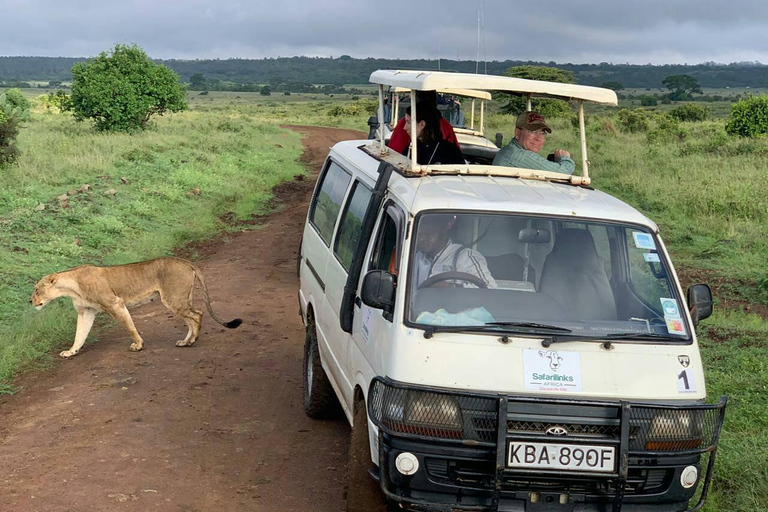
574	275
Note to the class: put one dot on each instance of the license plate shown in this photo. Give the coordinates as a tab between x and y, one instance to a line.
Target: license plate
573	457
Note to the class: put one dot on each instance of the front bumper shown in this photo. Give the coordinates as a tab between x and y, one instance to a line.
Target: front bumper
467	470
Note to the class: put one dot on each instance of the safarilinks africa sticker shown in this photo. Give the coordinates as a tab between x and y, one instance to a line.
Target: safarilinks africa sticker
643	240
651	257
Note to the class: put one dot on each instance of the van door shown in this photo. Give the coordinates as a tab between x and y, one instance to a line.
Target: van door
372	329
344	246
319	230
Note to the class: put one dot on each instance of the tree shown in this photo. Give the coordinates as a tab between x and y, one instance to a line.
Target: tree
265	91
516	104
197	82
681	87
615	86
121	90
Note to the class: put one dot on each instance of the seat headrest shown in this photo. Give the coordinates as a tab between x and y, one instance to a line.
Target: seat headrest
577	245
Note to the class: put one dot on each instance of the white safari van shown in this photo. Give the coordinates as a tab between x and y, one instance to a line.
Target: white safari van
500	339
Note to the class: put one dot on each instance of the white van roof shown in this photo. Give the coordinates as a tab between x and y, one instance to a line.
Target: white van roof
492	193
440	81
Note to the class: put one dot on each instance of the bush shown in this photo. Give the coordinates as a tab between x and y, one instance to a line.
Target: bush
15	98
667	129
690	112
749	117
12	113
265	91
59	100
648	100
634	121
362	106
122	89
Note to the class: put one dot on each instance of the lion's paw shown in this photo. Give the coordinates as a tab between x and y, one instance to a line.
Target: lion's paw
184	343
67	354
135	347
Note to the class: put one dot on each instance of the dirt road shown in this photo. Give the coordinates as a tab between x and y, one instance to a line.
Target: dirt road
215	427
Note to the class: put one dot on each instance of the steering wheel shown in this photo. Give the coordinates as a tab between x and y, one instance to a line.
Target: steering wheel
453	276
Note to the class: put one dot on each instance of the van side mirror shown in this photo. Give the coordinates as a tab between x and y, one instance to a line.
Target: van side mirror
373	125
379	290
499	139
699	302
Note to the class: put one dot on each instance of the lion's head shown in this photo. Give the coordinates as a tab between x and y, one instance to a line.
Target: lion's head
44	291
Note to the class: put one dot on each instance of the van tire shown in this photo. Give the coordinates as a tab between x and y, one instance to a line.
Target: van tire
363	492
319	398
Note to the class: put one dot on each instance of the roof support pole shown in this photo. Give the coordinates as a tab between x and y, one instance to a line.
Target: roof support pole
382	147
482	117
528	103
414	157
583	137
472	117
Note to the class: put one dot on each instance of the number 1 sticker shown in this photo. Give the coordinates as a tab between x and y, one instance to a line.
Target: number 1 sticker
686	382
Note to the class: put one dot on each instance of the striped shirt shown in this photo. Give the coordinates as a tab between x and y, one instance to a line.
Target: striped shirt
454	258
513	155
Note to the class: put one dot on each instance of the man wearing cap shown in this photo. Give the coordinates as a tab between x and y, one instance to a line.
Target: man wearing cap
523	152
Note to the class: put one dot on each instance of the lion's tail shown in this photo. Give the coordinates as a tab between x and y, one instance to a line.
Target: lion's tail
232	324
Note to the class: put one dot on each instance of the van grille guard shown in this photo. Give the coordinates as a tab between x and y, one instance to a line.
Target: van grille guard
644	430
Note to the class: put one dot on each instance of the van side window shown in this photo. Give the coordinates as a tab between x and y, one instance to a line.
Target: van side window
385	254
327	202
647	276
351	224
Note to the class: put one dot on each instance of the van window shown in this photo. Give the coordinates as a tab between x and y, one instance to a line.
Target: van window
352	224
327	203
385	254
647	276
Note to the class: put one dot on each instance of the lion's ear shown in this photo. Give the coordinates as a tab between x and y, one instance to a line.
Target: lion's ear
52	278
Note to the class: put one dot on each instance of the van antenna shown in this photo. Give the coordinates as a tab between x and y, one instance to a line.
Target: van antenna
439	47
481	33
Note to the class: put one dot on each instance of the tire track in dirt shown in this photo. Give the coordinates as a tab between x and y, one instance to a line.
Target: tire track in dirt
218	426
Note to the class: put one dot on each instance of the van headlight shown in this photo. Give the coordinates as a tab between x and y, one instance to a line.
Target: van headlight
423	413
675	430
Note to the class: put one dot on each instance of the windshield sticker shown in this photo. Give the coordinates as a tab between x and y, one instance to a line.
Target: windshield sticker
643	240
686	381
651	257
672	316
552	370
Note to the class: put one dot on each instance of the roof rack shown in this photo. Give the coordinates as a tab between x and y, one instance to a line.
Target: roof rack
442	81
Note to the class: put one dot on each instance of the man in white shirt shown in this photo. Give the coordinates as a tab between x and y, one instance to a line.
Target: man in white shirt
437	254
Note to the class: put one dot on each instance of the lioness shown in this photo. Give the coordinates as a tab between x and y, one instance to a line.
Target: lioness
114	289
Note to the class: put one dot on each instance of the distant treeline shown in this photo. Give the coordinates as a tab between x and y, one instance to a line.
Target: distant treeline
347	70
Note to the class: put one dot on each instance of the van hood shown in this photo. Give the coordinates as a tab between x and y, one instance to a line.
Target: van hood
577	369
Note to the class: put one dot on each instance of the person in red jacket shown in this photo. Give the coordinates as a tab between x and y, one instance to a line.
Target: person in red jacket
400	138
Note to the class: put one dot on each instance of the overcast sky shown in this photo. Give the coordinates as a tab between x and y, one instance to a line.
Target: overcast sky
617	31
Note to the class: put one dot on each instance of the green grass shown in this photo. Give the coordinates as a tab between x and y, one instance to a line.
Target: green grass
174	184
707	192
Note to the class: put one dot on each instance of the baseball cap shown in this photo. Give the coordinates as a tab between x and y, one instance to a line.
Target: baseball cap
532	121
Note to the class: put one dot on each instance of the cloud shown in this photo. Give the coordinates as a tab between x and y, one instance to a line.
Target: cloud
655	31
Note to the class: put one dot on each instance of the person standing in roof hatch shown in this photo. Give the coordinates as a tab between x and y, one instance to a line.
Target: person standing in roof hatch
400	139
523	151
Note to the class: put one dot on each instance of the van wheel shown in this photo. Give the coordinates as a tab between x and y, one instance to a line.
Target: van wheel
319	398
363	492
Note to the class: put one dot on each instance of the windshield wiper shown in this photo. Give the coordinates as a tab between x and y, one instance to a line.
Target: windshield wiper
516	327
606	339
643	336
530	325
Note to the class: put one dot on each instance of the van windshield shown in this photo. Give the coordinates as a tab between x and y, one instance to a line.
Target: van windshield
595	279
